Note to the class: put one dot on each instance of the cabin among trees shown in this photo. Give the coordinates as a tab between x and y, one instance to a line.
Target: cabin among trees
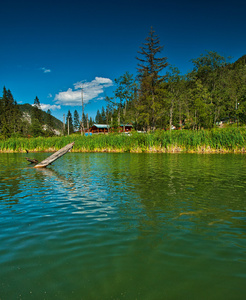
103	128
99	128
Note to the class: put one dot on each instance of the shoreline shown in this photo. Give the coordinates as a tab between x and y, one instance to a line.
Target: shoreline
138	150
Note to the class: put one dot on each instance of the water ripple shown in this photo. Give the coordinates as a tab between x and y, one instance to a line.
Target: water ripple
101	226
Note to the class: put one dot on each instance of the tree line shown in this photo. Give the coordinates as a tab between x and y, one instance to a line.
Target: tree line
73	123
160	97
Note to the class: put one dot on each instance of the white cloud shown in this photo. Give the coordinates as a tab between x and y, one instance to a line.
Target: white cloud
49	96
46	70
45	107
91	90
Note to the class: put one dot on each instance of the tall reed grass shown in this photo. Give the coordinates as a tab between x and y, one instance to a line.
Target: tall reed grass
216	140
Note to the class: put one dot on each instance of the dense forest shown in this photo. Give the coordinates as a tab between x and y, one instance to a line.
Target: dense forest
159	97
214	92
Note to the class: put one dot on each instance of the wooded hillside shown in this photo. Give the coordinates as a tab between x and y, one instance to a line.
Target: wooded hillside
25	120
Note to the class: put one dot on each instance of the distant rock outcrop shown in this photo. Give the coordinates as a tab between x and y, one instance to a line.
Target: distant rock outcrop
27	111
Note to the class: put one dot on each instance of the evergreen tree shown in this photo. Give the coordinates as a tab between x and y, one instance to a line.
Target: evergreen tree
84	120
98	117
69	123
76	121
90	122
37	103
149	76
103	116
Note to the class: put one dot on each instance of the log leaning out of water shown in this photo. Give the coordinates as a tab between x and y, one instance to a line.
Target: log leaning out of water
54	156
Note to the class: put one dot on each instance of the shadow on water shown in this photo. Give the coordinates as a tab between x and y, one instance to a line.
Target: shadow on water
48	173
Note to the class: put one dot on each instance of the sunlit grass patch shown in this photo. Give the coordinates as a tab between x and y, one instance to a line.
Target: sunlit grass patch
215	140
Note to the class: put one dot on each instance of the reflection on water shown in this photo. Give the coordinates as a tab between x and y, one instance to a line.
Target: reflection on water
123	226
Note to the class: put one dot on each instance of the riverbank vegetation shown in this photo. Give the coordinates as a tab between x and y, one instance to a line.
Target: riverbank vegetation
202	141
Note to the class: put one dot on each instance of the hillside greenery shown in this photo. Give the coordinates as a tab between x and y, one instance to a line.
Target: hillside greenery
28	109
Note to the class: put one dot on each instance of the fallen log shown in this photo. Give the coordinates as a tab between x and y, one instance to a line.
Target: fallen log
54	156
33	161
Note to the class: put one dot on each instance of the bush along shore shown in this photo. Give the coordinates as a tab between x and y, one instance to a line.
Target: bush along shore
202	141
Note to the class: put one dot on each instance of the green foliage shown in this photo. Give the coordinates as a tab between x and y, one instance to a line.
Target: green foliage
36	128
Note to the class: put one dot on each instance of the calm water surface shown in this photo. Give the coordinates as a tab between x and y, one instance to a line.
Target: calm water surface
123	226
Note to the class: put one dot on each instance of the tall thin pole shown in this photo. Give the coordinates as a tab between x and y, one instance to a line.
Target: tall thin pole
68	125
87	123
82	119
63	124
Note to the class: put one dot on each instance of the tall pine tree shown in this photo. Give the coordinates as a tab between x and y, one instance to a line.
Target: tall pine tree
149	69
76	121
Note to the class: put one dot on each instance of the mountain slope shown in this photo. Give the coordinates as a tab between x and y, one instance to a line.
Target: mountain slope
27	110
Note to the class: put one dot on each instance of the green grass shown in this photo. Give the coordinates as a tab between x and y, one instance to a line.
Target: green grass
216	140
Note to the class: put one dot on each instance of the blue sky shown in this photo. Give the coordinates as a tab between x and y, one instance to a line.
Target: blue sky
49	47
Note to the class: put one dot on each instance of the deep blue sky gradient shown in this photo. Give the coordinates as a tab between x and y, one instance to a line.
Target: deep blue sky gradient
81	40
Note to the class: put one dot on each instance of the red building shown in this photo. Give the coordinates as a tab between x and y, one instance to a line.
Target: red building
103	128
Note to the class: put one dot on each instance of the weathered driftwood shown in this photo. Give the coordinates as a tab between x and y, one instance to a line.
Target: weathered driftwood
33	161
54	156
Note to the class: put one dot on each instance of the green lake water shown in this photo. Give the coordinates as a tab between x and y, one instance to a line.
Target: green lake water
123	226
